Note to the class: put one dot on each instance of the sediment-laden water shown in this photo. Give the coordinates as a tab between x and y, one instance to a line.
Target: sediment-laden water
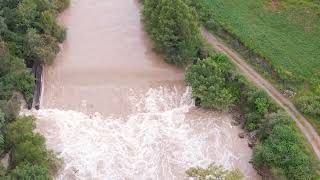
112	109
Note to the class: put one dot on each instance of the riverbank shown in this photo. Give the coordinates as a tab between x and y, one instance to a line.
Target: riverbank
29	37
112	108
255	104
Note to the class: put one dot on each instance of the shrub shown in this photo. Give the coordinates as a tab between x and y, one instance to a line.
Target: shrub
214	172
25	83
61	5
253	121
29	171
309	105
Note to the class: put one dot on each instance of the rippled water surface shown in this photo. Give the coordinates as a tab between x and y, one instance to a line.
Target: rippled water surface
112	109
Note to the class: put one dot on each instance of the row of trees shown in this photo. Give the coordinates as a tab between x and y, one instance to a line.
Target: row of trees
28	34
218	85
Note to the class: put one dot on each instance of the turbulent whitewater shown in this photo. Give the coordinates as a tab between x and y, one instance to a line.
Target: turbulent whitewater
112	109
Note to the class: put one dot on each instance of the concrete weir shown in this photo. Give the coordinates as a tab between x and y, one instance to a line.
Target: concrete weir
37	71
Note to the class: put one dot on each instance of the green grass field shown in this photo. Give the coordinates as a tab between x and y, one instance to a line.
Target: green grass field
284	32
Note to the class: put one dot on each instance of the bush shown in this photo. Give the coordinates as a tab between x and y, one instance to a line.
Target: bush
309	105
214	172
209	81
253	121
271	120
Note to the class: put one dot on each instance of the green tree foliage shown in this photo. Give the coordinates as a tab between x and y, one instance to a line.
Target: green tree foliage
282	150
61	5
28	34
214	172
29	171
209	81
10	108
29	155
39	47
174	28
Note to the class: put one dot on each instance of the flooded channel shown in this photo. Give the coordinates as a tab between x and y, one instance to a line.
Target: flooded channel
112	109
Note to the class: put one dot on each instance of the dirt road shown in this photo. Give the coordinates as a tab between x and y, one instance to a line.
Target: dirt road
305	127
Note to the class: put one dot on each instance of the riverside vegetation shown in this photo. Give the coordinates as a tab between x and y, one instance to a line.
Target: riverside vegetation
216	83
281	38
28	34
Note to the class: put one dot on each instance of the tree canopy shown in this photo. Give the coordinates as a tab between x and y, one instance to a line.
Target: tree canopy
214	172
209	81
174	28
28	34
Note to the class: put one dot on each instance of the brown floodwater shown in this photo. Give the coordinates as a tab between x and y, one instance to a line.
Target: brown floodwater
105	55
113	109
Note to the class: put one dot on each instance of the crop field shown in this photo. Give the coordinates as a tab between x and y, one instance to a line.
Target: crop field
285	33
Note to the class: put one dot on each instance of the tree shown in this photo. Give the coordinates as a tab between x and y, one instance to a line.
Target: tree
10	108
271	120
174	27
29	147
209	81
214	172
42	48
61	5
29	171
27	14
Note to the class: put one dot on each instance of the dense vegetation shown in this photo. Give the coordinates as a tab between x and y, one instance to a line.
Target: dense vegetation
280	147
214	172
28	34
216	84
29	157
285	33
174	28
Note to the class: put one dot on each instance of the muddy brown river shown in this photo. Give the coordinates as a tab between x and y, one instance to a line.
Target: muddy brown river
113	109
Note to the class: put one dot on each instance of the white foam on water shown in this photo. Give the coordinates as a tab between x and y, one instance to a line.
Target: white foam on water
158	141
